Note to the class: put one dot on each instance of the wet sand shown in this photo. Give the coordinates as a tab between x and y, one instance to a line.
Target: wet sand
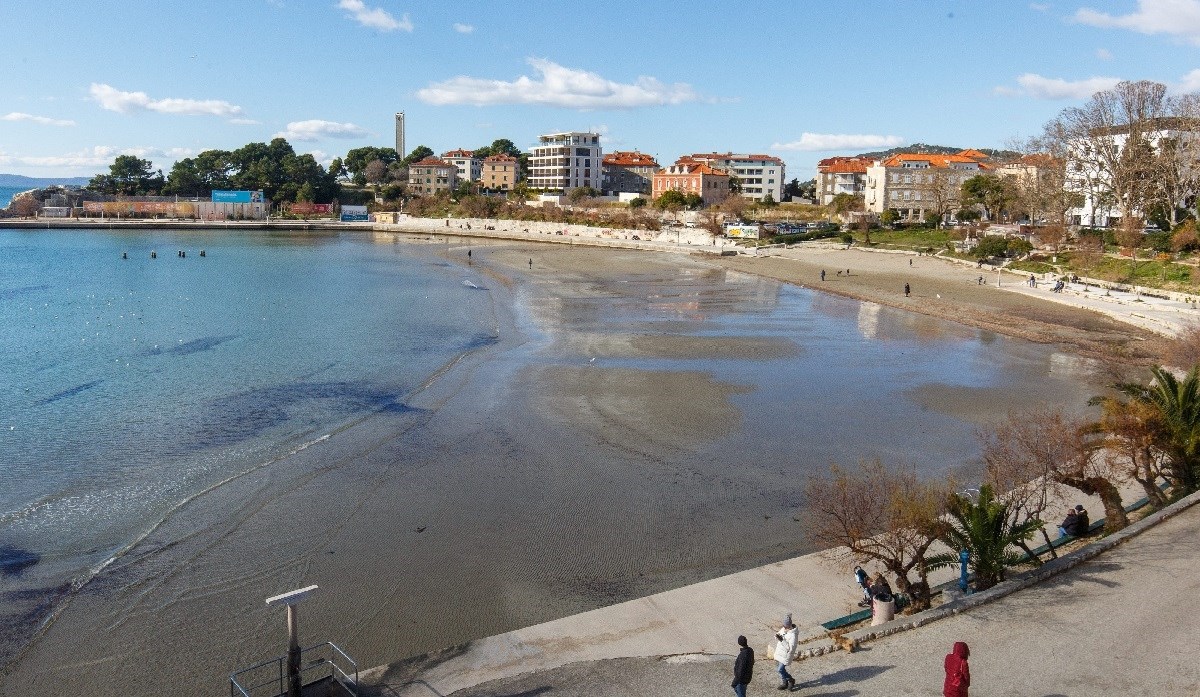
950	291
637	428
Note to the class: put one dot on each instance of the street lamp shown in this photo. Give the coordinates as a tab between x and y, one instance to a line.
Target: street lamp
291	599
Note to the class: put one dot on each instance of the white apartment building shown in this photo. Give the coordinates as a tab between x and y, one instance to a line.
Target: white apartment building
565	161
1089	165
914	184
470	168
760	175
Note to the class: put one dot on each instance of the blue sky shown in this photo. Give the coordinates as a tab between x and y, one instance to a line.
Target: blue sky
84	81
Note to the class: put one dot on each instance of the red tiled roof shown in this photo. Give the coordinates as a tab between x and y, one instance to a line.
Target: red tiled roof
500	157
937	161
432	161
459	153
621	158
973	154
844	165
731	156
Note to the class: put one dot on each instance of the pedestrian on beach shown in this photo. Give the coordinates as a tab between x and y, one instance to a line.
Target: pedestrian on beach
958	673
743	668
906	290
822	274
910	262
980	281
531	264
785	651
847	272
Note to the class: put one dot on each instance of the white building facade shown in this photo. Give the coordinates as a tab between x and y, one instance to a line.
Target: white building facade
760	175
565	161
470	168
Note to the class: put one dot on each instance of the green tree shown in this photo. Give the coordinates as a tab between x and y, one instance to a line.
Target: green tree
419	153
735	184
988	191
991	246
769	201
671	200
1178	405
358	159
129	175
889	217
692	201
637	202
984	528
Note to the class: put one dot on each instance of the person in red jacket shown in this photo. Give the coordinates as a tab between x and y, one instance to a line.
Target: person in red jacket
958	673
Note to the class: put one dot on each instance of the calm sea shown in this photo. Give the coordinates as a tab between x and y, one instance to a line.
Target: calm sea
131	385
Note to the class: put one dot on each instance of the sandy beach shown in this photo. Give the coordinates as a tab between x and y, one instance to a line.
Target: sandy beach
645	421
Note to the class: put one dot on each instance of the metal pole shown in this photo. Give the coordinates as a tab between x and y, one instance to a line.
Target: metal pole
293	659
963	557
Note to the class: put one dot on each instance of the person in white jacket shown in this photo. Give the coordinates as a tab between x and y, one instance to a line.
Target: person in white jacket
785	651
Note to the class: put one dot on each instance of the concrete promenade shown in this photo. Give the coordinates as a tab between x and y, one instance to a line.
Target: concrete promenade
1114	625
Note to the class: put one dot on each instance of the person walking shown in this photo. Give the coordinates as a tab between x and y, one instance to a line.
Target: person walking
743	668
906	290
785	651
958	673
822	274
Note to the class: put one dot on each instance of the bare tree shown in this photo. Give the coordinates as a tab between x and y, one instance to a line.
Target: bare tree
1131	237
1047	444
882	514
1120	146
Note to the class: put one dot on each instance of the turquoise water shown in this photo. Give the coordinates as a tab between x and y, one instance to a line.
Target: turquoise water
131	385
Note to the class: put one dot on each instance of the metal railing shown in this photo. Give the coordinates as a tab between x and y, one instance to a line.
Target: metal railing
323	662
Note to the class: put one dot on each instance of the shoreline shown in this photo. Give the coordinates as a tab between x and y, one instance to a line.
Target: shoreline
573	268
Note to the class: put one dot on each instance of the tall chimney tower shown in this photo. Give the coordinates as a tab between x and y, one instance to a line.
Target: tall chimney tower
400	151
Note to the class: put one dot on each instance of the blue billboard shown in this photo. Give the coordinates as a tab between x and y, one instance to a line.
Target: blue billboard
355	214
237	197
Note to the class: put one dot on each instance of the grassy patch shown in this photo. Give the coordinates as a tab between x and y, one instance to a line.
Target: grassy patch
908	238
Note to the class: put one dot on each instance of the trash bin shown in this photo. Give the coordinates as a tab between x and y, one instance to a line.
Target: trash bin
883	608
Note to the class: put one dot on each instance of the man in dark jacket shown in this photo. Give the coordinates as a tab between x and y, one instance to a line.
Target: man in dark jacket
743	668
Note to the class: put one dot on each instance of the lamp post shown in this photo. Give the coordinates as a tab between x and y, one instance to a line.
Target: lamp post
291	599
964	557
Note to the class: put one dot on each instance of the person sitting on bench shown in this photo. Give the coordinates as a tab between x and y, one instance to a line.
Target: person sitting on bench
1075	524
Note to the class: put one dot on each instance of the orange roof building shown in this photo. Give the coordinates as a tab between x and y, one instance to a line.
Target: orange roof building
500	172
841	175
687	177
916	184
629	172
760	175
431	175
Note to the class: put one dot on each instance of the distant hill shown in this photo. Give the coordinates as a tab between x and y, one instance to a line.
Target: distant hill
939	150
14	180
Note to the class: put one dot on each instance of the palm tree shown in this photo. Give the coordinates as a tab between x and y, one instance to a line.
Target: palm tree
1178	404
985	528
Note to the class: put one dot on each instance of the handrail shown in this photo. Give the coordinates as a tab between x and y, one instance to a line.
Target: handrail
335	665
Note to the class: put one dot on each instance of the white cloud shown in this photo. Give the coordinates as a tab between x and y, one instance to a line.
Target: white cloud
113	99
558	86
244	122
92	160
1188	83
820	142
1173	17
43	120
463	28
315	129
1038	87
1104	54
374	17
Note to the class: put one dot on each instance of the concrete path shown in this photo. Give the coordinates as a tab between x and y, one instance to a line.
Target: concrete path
1119	624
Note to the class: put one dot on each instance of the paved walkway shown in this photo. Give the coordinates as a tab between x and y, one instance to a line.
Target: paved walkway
1119	624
